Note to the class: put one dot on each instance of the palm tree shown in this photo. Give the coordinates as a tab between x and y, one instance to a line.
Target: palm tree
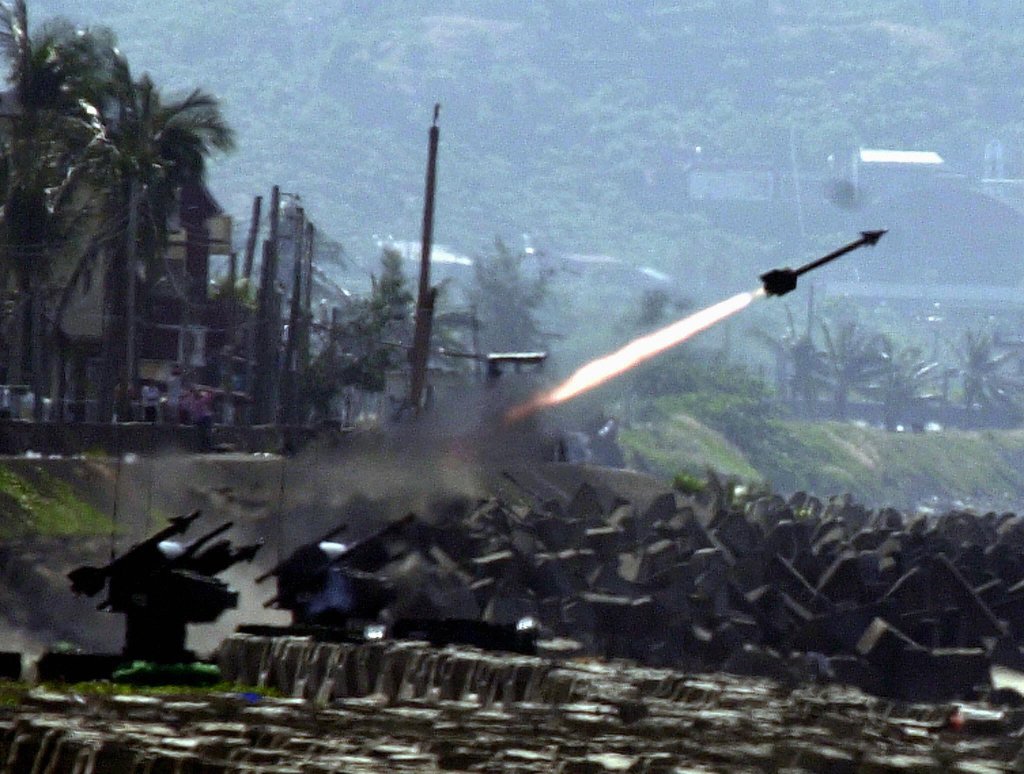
852	361
902	382
800	365
153	148
986	387
57	80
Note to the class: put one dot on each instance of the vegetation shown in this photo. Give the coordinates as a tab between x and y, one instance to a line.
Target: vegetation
368	338
147	673
908	470
577	124
153	147
41	504
50	134
508	301
107	688
95	161
571	123
13	693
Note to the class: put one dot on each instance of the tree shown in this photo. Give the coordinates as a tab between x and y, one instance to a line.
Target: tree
852	361
800	365
986	388
902	381
508	301
368	338
154	147
58	78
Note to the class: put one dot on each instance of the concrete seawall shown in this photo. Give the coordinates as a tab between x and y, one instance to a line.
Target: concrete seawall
48	438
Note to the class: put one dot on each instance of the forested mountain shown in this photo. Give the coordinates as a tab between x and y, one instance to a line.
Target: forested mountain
570	120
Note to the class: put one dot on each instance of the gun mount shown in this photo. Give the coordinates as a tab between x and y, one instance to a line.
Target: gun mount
326	583
161	586
339	592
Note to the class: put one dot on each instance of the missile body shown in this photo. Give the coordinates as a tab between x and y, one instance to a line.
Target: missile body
778	282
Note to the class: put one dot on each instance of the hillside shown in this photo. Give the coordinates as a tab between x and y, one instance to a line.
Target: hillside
573	121
983	470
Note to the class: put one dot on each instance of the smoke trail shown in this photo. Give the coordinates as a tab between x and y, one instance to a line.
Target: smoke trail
603	369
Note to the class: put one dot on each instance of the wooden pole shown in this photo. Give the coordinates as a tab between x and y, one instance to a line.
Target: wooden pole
286	411
307	301
478	365
230	343
425	298
254	230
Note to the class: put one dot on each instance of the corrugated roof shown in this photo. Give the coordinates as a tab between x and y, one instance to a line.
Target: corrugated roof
880	156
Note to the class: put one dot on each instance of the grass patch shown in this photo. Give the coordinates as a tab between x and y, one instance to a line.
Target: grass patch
12	693
688	484
41	504
877	467
681	444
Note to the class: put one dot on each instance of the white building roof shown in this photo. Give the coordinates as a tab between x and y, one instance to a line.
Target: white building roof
880	156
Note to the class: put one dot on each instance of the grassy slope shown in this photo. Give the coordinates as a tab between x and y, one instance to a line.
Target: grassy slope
37	498
879	468
986	469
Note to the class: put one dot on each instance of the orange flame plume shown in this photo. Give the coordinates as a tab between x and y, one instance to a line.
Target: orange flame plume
603	369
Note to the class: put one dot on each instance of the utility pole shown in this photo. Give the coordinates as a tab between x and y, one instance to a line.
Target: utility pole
286	410
227	376
250	244
425	298
307	301
478	365
267	333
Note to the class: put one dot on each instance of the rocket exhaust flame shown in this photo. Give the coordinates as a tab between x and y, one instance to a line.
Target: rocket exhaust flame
603	369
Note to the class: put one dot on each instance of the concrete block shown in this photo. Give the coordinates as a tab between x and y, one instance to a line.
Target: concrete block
883	645
661	509
951	589
586	504
784	576
869	539
624	518
659	557
494	565
888	518
940	674
788	539
630	565
549	577
710	570
740	536
839	631
605	541
828	535
10	665
548	531
843	581
855	671
753	661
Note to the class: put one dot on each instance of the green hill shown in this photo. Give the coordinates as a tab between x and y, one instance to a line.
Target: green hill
571	121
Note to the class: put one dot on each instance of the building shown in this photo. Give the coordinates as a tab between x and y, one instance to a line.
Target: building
177	322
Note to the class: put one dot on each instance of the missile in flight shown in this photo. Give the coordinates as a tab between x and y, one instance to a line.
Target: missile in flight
778	282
